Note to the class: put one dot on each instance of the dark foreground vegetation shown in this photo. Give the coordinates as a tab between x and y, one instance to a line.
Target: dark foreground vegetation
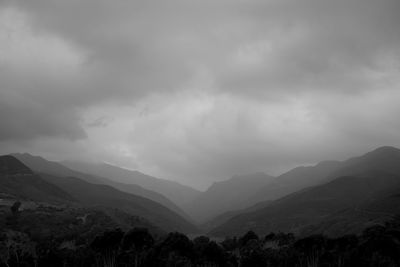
27	240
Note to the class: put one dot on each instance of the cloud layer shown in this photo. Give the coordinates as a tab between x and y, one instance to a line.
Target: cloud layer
197	91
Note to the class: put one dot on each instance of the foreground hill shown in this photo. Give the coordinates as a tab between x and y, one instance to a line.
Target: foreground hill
103	195
41	165
77	223
17	180
178	193
228	195
364	179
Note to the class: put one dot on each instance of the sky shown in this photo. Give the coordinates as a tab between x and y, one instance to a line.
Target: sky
198	91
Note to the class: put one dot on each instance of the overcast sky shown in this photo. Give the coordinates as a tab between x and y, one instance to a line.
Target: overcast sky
197	91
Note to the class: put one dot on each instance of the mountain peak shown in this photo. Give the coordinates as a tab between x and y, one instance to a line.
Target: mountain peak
385	150
382	153
9	165
26	157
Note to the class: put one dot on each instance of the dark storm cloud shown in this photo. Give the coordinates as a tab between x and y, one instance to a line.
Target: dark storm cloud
200	90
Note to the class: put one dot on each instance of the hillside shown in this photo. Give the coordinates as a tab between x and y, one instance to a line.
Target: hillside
72	227
228	195
226	216
383	158
103	195
312	206
363	179
41	165
18	180
294	180
178	193
271	189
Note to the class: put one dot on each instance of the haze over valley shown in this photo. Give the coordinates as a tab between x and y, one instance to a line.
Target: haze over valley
190	133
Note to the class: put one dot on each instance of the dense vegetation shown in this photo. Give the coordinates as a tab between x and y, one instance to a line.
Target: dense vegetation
65	238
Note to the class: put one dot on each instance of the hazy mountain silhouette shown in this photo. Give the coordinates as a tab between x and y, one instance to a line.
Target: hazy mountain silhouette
294	180
363	180
17	180
311	206
384	158
272	189
41	165
178	193
104	195
228	195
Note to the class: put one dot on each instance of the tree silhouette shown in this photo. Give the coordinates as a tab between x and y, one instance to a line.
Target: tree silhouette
15	207
135	243
250	235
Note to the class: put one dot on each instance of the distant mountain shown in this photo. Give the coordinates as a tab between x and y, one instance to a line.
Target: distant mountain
384	158
362	181
228	195
41	165
310	207
287	183
178	193
294	180
17	180
92	195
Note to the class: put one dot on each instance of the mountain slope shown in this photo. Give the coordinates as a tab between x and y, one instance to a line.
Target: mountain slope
18	180
311	206
77	224
103	195
226	216
363	179
41	165
178	193
228	195
383	158
294	180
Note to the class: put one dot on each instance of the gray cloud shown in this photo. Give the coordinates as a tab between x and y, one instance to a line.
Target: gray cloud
200	90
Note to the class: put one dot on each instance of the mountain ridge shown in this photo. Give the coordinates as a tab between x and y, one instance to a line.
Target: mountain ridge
42	165
18	180
224	196
364	175
176	192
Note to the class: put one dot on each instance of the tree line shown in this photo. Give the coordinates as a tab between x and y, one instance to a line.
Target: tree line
378	245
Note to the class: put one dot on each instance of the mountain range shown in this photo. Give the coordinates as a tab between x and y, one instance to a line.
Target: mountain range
174	191
224	196
21	183
350	188
331	197
41	165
